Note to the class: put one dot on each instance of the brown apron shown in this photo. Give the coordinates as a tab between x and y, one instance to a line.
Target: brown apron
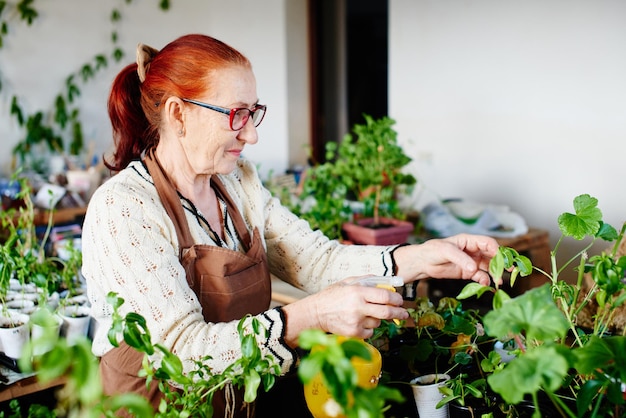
229	285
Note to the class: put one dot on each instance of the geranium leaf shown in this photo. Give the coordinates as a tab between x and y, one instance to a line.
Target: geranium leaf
534	313
586	221
543	367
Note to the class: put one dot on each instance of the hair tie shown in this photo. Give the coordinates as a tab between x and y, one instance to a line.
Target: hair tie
145	54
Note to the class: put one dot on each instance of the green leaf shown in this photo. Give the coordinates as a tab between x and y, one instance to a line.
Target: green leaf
543	367
310	366
587	393
473	289
500	298
252	380
607	232
85	373
608	353
496	265
137	405
586	220
354	348
534	313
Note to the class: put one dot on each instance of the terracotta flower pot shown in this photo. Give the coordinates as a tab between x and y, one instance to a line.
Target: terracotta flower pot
388	232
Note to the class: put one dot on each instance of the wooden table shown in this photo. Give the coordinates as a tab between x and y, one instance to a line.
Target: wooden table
27	386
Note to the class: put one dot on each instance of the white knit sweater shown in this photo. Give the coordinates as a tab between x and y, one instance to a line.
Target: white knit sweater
130	247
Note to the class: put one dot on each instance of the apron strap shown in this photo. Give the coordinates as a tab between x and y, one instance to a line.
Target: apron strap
171	203
170	200
240	225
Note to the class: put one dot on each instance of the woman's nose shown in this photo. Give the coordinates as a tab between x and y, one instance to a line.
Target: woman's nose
248	133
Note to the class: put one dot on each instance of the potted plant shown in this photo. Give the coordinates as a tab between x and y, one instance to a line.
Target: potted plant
437	339
362	174
580	371
27	270
82	394
370	162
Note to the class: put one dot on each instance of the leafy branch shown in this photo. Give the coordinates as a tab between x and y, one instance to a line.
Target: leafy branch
49	128
83	396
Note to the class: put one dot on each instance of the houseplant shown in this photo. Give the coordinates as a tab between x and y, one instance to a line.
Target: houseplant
370	162
330	355
581	371
362	173
27	268
82	394
56	131
344	365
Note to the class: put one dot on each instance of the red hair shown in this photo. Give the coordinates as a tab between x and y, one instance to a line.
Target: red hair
183	68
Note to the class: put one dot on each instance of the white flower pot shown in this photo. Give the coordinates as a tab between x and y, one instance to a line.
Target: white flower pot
21	305
14	334
44	330
427	395
76	321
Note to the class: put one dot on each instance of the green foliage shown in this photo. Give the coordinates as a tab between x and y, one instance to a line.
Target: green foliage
370	162
251	371
82	394
23	9
46	129
327	210
23	254
554	354
366	166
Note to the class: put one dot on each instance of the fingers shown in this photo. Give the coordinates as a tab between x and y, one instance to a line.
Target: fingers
355	311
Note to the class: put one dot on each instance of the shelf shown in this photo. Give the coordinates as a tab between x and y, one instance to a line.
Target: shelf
59	216
28	386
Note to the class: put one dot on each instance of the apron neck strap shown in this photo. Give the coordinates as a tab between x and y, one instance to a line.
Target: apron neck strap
240	225
169	199
171	202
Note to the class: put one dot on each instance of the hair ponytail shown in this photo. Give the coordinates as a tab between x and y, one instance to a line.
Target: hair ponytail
131	129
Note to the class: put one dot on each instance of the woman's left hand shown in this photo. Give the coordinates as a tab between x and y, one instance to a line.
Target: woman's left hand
462	256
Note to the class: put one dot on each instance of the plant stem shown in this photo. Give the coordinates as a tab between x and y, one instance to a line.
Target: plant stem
560	405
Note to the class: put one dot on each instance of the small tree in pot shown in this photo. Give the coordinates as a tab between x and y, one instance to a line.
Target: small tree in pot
370	161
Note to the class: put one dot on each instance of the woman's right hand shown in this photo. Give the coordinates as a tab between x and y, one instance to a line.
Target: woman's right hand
343	308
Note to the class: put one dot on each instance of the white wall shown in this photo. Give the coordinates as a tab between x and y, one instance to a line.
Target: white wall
35	60
508	102
521	103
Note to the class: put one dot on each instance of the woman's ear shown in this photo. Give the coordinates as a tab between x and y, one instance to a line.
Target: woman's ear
175	116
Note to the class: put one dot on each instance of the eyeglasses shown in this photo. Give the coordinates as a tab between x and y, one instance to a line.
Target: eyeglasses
238	115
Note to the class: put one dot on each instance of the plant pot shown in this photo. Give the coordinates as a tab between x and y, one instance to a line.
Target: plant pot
21	305
388	232
14	333
45	330
427	395
76	320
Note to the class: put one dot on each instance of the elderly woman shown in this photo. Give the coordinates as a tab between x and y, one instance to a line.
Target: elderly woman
186	233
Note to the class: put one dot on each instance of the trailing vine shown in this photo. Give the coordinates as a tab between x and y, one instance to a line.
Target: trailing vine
47	128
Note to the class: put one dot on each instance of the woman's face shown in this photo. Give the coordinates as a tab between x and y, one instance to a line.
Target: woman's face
210	145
